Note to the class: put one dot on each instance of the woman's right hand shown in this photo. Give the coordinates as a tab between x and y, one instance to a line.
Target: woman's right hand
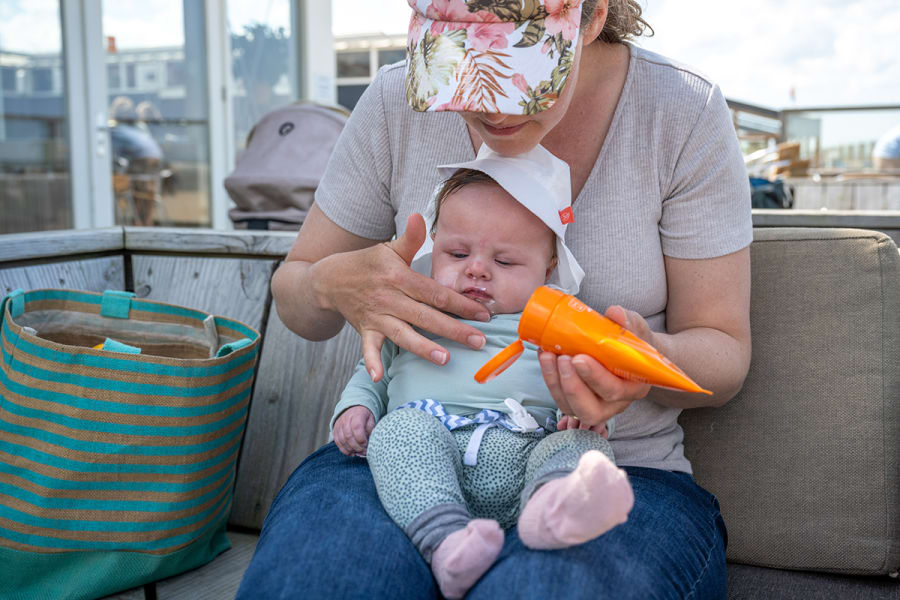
381	297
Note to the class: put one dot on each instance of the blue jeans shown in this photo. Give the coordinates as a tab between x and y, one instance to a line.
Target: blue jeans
327	536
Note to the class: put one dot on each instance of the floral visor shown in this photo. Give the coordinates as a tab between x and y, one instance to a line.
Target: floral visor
493	56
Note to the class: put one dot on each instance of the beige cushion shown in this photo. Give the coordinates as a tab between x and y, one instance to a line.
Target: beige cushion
805	459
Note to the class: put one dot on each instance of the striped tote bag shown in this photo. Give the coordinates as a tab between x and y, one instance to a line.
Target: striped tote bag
120	424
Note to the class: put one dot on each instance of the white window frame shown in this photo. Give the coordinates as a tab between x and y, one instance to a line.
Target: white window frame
90	169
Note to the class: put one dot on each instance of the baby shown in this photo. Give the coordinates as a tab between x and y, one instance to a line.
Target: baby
456	462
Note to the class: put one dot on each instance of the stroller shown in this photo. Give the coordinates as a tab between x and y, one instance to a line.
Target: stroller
276	177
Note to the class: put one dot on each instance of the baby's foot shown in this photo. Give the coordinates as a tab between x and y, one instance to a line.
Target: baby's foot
465	555
574	509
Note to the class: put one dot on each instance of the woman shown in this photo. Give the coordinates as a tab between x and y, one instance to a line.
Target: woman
662	228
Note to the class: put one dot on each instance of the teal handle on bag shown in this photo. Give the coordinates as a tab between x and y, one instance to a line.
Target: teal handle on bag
16	301
116	304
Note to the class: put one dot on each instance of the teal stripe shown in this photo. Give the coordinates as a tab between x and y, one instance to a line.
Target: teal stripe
70	295
83	424
56	483
124	387
105	505
108	448
131	365
119	407
49	542
112	526
90	467
240	328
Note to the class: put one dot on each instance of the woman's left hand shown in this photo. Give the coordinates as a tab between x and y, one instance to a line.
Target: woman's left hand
585	389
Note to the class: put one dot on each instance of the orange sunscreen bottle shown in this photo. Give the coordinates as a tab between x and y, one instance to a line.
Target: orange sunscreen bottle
562	324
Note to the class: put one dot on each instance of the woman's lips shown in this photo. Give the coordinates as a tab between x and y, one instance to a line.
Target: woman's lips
502	130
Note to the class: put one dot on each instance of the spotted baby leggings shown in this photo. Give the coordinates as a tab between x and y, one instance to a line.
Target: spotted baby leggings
428	491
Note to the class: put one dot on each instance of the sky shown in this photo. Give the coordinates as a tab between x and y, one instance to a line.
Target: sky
830	52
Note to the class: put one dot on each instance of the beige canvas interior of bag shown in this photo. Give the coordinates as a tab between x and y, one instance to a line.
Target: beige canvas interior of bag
153	338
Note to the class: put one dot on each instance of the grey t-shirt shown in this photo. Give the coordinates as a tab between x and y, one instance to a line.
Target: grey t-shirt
669	180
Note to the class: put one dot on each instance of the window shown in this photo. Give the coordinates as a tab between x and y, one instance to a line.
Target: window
42	79
174	73
113	76
262	47
348	95
8	79
130	79
389	57
353	64
35	184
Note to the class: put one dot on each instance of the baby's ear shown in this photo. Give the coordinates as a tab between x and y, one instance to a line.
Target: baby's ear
553	262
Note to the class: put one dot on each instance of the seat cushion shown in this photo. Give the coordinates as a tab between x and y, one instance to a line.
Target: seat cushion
805	458
757	583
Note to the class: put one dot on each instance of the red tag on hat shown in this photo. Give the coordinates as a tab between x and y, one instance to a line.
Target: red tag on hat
566	215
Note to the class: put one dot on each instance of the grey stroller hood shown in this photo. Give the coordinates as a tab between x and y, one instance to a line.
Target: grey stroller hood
276	177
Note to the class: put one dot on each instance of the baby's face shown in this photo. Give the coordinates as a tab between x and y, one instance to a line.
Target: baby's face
490	248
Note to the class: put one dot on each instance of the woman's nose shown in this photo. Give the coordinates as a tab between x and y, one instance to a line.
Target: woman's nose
477	269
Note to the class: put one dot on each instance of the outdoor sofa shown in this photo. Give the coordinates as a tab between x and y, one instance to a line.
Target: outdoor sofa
805	460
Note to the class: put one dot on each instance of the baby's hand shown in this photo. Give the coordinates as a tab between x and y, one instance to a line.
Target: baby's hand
567	422
352	429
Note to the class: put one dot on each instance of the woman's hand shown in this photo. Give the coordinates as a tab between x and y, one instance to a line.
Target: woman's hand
352	429
381	297
584	388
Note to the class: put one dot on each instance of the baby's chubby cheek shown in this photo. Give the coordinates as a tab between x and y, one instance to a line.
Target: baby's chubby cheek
445	279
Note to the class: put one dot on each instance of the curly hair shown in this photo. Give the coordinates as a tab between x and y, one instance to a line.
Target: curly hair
623	21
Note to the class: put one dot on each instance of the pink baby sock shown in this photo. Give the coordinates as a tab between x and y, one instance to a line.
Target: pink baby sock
584	504
465	555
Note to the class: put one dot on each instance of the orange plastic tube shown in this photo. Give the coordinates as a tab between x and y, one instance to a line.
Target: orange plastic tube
562	324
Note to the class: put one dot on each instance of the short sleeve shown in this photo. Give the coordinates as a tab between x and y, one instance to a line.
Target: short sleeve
355	190
706	209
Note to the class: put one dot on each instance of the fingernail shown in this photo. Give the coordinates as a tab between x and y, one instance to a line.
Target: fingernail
476	341
372	374
438	357
565	366
483	316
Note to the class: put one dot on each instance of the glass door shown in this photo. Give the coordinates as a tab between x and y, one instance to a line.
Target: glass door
262	53
158	111
35	177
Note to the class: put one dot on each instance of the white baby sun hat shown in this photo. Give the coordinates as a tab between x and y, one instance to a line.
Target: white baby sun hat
541	183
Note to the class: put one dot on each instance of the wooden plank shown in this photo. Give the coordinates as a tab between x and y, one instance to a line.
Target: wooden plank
209	241
24	246
297	386
231	287
91	274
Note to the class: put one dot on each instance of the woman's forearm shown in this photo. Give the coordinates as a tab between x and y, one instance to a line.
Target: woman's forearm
298	305
716	360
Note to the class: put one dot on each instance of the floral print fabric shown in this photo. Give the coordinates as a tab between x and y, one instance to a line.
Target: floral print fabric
494	56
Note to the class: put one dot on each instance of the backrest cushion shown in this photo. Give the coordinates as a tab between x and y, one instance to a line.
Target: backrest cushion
805	459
